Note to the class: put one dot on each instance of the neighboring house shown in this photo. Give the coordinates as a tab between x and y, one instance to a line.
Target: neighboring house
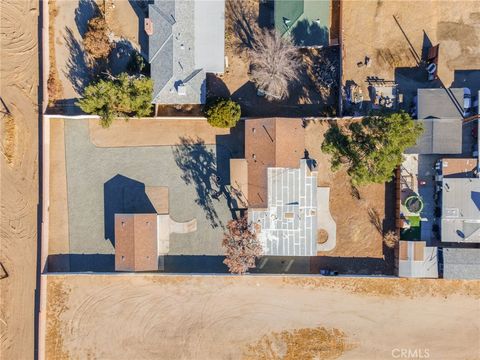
277	185
186	41
417	260
441	111
461	263
460	210
306	21
136	242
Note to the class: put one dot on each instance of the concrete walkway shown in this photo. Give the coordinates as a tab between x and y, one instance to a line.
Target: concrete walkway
325	220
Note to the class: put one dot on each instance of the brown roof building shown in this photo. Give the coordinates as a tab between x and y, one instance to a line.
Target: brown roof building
272	142
136	242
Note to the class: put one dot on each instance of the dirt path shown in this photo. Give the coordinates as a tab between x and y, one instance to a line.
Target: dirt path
152	132
181	317
19	179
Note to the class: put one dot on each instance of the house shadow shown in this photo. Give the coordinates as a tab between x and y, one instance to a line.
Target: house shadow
140	7
306	33
467	78
81	263
123	195
351	265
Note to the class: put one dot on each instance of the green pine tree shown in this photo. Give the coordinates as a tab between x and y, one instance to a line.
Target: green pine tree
373	148
123	96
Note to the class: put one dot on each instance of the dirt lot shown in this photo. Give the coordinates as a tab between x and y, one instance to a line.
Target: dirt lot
357	214
19	177
175	317
369	29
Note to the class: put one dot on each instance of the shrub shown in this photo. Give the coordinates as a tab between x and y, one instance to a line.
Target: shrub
96	42
223	113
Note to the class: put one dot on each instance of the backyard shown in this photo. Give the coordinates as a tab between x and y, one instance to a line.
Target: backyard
91	182
307	97
387	41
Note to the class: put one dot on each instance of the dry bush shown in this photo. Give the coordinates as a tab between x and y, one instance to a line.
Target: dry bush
54	86
9	132
390	239
275	64
241	246
305	344
96	41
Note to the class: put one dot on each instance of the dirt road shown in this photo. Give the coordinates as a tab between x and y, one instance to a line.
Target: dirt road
208	317
19	176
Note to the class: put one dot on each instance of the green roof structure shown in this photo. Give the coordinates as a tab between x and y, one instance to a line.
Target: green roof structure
306	21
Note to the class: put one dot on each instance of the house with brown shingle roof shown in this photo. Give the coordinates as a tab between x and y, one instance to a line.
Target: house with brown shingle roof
278	187
136	242
271	142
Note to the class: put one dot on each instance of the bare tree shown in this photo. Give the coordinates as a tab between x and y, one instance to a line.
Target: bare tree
275	63
241	246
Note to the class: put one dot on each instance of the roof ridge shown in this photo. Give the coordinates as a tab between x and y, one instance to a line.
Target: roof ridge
167	18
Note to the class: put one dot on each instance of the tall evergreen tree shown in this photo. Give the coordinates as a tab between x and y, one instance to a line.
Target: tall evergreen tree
373	148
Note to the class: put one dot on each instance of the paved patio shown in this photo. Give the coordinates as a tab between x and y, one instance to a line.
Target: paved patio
102	181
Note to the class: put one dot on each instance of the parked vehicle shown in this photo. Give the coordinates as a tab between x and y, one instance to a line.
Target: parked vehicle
328	272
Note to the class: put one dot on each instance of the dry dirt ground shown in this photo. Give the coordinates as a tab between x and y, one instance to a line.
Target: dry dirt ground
356	214
369	29
19	177
228	317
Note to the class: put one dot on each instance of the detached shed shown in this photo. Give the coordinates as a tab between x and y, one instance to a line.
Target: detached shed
136	242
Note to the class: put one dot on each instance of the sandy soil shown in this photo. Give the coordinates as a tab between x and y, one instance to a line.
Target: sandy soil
356	235
181	317
152	132
369	29
19	178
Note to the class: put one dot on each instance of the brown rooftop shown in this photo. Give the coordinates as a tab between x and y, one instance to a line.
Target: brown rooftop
459	168
136	242
271	142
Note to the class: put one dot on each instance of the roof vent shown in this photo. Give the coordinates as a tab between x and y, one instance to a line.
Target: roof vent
182	90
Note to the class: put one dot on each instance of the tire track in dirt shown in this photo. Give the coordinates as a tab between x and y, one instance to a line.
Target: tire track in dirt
19	177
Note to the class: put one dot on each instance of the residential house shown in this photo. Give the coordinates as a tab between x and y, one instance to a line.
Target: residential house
186	41
307	22
441	112
460	221
278	186
136	242
417	260
461	263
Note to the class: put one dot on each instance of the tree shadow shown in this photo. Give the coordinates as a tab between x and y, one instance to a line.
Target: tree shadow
199	166
86	10
243	23
122	195
77	72
216	87
120	56
306	33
